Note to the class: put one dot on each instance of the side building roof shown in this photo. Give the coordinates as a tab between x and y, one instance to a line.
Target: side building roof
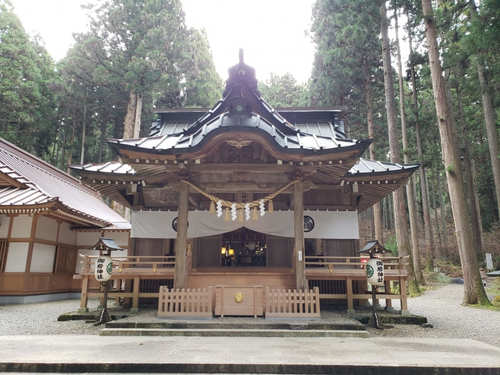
29	184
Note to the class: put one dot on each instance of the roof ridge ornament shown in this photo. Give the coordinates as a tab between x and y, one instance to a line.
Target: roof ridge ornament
241	55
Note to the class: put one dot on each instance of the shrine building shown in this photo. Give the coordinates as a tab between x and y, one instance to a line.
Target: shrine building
243	203
47	217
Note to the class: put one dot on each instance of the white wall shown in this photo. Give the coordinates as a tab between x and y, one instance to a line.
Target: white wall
4	226
66	235
16	257
22	226
46	228
42	259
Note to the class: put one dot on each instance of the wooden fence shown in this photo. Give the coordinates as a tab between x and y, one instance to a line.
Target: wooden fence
185	303
283	303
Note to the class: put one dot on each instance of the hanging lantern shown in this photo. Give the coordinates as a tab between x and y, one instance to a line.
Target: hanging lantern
271	206
212	207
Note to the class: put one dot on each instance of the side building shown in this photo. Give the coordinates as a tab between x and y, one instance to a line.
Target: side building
47	217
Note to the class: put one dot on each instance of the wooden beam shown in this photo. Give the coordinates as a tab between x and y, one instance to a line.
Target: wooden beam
241	167
299	251
181	240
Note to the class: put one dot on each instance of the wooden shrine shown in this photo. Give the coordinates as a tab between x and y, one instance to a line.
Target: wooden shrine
247	206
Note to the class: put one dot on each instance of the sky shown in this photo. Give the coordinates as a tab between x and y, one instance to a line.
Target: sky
274	34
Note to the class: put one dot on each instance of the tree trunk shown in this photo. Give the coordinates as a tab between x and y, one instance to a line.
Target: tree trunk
400	216
491	131
138	114
129	122
377	208
470	188
429	242
437	222
473	287
443	215
489	117
84	125
477	206
70	156
410	196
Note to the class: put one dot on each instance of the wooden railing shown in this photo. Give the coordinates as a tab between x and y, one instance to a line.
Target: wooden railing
124	264
185	302
333	262
350	270
282	303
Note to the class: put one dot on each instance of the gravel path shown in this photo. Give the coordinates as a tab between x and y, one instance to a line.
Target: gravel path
441	306
41	319
443	309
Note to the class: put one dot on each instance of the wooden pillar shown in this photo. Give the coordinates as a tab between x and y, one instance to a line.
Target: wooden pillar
388	301
181	240
299	251
403	296
318	246
350	299
34	223
135	294
84	296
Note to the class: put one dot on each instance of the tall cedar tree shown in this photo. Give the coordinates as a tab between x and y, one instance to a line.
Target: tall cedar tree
473	288
142	42
400	214
28	109
346	64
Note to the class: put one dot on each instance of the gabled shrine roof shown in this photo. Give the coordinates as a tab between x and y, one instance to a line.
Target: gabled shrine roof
193	138
243	111
40	183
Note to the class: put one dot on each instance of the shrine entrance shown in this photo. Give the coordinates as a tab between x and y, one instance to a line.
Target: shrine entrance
242	249
242	257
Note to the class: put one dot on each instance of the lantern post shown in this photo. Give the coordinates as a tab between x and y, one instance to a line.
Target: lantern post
103	272
374	275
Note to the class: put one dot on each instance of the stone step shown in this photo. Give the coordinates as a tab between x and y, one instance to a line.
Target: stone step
345	324
232	332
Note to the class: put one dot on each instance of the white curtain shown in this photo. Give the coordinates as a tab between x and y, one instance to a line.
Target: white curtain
324	224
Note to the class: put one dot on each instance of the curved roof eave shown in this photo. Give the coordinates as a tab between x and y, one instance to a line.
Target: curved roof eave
157	144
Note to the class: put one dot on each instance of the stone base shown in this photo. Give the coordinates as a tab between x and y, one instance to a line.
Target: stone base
388	318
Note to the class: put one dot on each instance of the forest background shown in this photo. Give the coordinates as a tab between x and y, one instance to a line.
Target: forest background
139	56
